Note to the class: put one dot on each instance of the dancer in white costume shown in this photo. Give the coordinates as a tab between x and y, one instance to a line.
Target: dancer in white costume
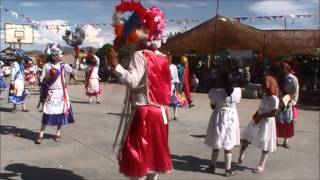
57	109
18	93
92	77
31	73
261	132
174	86
223	128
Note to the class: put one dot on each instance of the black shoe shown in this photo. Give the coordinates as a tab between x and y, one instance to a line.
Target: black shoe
212	169
230	172
286	145
191	105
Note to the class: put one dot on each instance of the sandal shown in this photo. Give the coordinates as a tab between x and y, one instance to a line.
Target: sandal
286	145
230	172
39	140
258	170
25	110
57	138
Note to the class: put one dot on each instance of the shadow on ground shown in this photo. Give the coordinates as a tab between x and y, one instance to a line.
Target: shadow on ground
24	133
198	135
6	109
27	172
79	102
195	164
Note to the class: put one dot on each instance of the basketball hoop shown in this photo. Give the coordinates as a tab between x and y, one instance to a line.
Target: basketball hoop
19	33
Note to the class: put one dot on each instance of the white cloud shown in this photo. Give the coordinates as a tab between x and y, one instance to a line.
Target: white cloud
277	7
29	4
95	37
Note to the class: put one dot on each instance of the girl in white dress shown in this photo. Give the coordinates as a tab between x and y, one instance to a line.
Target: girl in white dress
174	86
261	132
92	85
223	130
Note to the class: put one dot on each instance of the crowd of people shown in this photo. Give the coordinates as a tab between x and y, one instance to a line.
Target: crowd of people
154	82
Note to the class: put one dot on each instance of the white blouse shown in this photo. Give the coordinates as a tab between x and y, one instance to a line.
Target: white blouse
46	73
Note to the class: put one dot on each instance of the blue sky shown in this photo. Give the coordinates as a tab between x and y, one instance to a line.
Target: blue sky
99	11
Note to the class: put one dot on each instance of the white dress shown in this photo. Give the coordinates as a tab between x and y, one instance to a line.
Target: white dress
93	86
30	74
174	77
264	134
223	129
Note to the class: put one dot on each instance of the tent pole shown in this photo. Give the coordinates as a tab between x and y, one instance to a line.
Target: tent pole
215	29
264	45
285	23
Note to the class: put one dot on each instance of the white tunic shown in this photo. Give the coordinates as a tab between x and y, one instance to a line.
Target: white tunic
264	134
19	82
55	102
223	128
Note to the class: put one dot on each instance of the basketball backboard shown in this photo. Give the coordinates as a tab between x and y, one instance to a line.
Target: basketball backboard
19	33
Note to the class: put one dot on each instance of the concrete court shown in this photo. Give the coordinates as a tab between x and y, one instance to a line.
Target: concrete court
85	151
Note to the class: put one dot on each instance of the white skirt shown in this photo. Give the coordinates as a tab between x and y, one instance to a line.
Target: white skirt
93	88
262	135
223	129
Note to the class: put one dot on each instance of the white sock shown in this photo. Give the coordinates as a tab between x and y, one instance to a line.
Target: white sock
263	160
43	128
214	157
241	155
227	160
58	130
41	133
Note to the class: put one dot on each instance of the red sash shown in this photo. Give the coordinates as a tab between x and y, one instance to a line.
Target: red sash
88	77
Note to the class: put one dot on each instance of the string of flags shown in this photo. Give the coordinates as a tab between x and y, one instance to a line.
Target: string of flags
180	22
45	26
281	17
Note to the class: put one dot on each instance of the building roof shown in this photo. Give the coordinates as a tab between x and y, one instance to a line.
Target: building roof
237	36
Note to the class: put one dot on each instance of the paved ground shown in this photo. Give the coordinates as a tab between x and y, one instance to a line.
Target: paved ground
85	151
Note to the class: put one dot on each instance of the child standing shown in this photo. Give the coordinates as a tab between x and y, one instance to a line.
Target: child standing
223	130
261	132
